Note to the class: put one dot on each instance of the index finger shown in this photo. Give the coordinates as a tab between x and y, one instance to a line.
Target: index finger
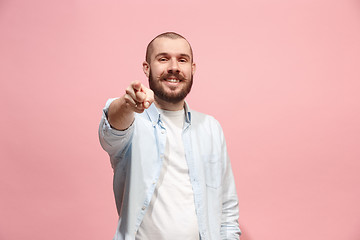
136	85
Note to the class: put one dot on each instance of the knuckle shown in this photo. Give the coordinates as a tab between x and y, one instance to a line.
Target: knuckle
129	99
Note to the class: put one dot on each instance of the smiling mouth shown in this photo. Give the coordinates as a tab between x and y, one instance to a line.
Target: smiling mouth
172	80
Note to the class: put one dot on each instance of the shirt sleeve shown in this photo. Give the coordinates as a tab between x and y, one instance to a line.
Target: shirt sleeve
113	141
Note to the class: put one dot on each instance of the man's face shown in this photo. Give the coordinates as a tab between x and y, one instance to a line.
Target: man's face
171	69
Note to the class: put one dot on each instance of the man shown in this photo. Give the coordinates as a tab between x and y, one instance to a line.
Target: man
172	175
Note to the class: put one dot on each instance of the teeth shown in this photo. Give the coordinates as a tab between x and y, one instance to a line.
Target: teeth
172	80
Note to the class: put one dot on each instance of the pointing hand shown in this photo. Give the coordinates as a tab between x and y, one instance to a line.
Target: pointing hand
138	97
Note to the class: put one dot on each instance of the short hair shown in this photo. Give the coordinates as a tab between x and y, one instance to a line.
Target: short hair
171	35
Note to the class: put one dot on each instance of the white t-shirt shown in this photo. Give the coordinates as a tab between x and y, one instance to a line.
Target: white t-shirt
171	214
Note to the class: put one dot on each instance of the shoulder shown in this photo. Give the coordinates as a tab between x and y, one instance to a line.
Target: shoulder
202	120
202	117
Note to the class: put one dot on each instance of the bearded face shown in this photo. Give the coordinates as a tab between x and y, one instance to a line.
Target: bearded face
170	87
170	69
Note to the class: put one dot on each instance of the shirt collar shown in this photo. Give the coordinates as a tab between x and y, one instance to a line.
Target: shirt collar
187	113
154	114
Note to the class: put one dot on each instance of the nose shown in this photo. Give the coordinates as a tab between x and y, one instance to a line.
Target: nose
173	66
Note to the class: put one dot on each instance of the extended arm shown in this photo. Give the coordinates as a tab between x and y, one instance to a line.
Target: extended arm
115	129
137	99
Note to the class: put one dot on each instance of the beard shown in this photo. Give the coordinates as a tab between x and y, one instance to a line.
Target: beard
170	97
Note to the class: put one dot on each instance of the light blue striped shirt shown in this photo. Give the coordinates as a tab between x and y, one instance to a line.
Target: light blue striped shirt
136	156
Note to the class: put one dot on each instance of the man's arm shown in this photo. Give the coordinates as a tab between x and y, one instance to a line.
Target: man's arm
115	128
137	99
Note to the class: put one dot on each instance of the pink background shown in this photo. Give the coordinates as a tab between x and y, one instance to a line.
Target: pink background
282	77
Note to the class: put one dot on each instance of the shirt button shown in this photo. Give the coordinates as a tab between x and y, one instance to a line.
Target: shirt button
143	208
162	131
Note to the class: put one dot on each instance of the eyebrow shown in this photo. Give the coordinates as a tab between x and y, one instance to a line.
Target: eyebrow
164	53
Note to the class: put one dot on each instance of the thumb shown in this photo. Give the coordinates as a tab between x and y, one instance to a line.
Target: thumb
146	104
149	97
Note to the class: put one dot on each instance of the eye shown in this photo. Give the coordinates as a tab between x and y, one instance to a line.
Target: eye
182	60
162	59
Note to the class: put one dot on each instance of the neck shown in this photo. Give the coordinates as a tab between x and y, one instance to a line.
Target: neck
168	105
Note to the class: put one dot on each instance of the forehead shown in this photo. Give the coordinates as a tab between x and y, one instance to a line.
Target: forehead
170	46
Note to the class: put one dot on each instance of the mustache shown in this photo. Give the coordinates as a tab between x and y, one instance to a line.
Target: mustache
173	75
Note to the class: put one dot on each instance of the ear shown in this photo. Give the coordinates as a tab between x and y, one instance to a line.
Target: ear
146	69
193	68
